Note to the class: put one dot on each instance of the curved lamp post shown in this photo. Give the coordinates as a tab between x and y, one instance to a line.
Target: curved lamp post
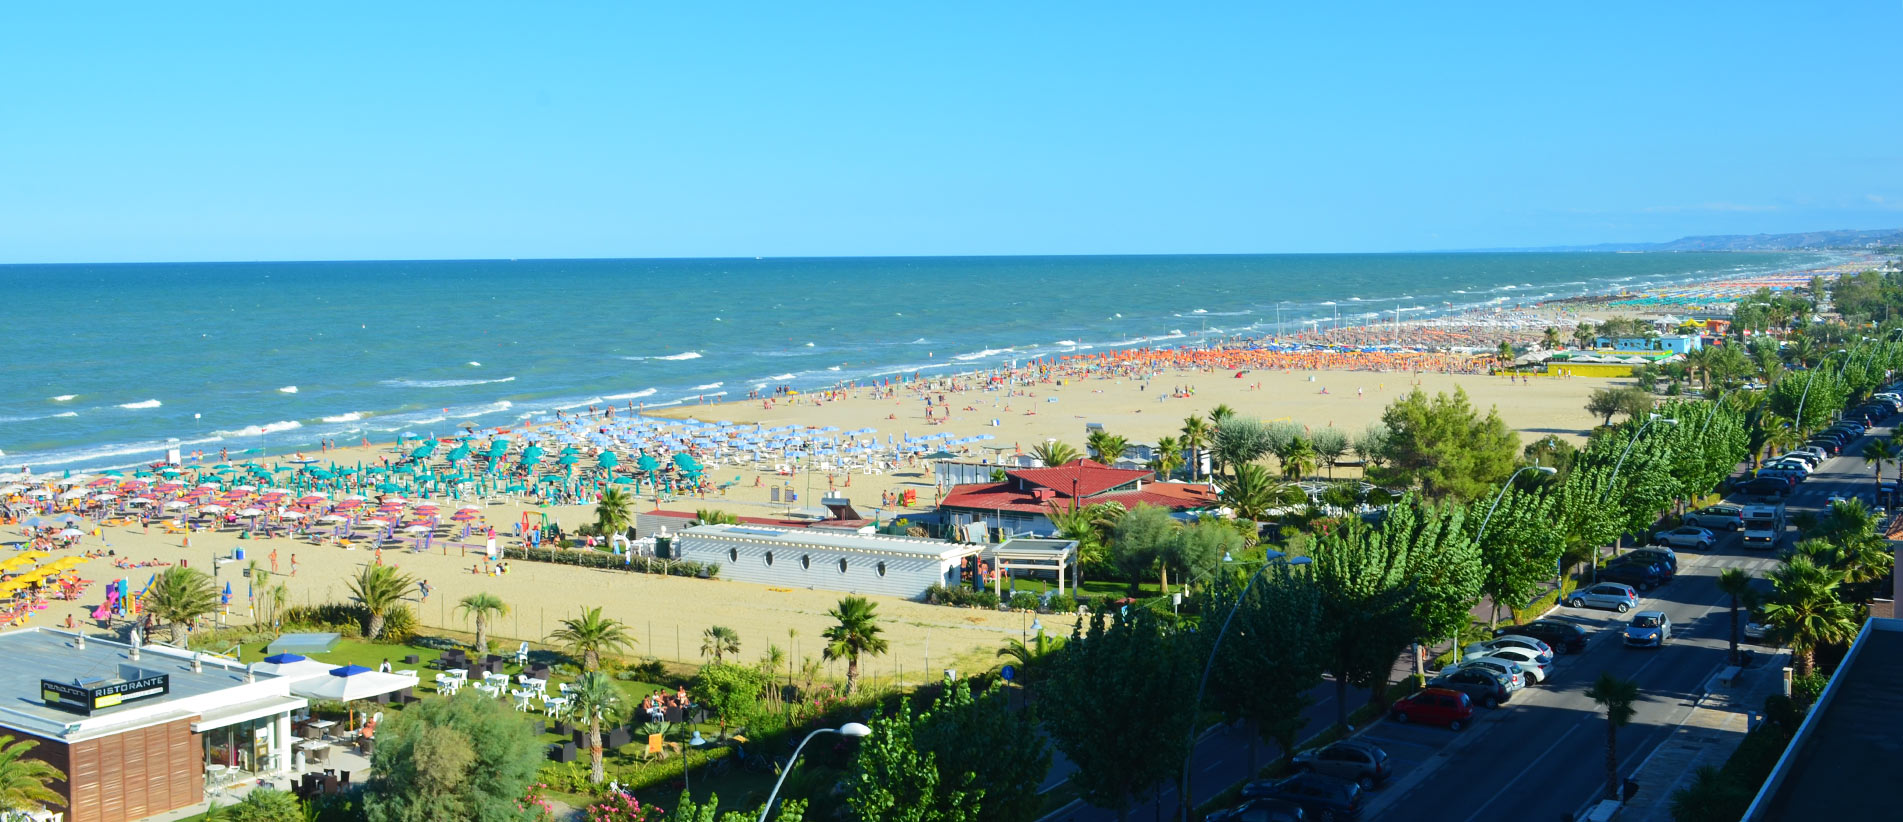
848	729
1614	479
1189	744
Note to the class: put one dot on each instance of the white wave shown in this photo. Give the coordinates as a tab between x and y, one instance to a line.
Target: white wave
261	430
440	383
142	404
781	377
289	389
708	386
645	392
834	368
67	414
154	447
579	404
1071	343
476	364
809	345
979	355
66	398
352	416
699	396
492	408
1200	311
690	355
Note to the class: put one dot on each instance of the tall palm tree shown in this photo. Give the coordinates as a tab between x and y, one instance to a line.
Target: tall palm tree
595	696
1221	412
1877	452
1551	340
1620	697
614	512
719	641
1804	609
23	781
379	588
1090	526
1736	584
1169	457
1054	453
1778	432
1252	492
483	606
590	634
854	633
179	596
273	602
1584	335
1298	458
1195	437
1109	447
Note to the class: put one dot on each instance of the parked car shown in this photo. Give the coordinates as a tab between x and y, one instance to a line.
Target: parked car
1319	796
1648	629
1612	595
1486	688
1689	536
1801	468
1434	706
1766	488
1517	677
1534	644
1830	447
1659	554
1535	666
1260	810
1666	568
1717	517
1564	637
1359	762
1643	576
1755	628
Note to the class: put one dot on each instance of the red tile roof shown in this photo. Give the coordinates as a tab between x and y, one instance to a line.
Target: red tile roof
1090	477
1094	481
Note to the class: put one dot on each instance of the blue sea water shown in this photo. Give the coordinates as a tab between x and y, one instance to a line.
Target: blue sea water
105	365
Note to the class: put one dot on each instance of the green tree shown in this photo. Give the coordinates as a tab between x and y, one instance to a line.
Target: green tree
1031	658
733	692
459	757
484	606
1272	656
1169	457
1107	447
966	757
266	805
1196	550
1239	441
614	512
1090	526
595	698
1551	339
179	596
718	641
714	516
1735	584
1520	550
1620	698
1442	566
1445	447
1371	445
1713	796
685	810
1297	457
853	634
1879	451
379	589
1366	613
1252	492
1195	437
1139	543
24	780
1054	453
1804	609
590	634
1329	444
1098	728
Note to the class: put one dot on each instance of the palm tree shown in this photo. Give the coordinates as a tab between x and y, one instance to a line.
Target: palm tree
854	633
718	641
273	602
1108	447
1251	492
1551	340
709	516
1620	696
1030	659
1879	451
614	512
1298	458
379	588
1195	437
595	696
483	606
1054	453
1778	433
181	595
1089	525
590	634
1584	335
1221	412
1805	610
23	781
1169	457
1734	583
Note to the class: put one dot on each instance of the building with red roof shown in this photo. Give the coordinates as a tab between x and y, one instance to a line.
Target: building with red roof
1022	501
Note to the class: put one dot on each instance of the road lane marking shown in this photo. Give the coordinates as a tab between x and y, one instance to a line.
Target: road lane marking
1523	771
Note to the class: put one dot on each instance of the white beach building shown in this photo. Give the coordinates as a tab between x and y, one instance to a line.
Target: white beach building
828	560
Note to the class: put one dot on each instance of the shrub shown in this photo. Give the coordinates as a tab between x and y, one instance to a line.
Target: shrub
266	805
960	596
1024	601
399	625
621	807
338	617
1062	604
649	669
600	559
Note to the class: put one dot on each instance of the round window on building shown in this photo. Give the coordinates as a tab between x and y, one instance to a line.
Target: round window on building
769	558
842	565
806	561
881	569
733	554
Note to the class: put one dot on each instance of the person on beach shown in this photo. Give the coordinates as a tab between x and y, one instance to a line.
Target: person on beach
293	565
274	560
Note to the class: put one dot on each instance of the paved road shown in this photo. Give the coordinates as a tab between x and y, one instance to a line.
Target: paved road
1543	755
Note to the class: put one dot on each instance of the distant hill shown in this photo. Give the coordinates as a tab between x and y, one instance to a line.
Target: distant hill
1755	242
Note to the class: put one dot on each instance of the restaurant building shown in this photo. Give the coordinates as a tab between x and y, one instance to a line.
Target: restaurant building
826	560
137	729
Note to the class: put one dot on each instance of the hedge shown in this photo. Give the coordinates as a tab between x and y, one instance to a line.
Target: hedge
598	559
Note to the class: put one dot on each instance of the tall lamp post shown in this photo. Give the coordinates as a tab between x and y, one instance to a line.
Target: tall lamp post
1547	470
848	729
1614	479
1189	744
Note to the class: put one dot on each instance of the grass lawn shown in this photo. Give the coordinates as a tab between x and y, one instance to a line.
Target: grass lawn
1092	587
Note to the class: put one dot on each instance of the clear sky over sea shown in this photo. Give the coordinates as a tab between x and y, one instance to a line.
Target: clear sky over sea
142	131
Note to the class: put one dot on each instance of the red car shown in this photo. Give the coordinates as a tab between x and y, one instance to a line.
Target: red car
1434	706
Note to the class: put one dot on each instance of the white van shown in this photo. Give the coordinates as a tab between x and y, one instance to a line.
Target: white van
1763	526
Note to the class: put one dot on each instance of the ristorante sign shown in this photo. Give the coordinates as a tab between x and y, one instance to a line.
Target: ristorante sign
84	699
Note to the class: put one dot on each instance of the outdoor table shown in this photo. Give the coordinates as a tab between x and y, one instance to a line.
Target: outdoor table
555	706
323	726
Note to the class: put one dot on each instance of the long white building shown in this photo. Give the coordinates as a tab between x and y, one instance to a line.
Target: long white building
824	559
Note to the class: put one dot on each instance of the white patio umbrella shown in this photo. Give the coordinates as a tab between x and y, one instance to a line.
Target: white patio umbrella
292	666
350	683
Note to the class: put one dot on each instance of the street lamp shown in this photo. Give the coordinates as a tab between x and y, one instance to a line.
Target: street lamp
1189	744
1613	480
687	768
848	729
1547	470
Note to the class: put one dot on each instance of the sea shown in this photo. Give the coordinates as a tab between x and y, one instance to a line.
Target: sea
106	366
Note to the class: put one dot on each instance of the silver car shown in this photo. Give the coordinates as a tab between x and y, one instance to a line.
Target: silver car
1537	646
1517	677
1533	665
1688	536
1611	595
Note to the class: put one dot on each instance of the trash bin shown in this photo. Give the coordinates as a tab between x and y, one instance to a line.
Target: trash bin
238	552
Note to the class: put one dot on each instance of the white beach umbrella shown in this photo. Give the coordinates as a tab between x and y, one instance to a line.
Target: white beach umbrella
333	518
251	512
39	492
351	683
212	509
291	515
72	532
176	504
292	666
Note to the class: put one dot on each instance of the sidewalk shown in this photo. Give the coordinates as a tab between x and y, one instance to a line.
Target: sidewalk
1709	734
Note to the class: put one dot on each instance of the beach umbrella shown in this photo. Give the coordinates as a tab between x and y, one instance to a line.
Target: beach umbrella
351	683
71	532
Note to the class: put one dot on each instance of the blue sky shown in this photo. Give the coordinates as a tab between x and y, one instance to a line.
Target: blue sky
202	131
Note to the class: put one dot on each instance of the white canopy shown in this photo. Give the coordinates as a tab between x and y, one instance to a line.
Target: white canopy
351	683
